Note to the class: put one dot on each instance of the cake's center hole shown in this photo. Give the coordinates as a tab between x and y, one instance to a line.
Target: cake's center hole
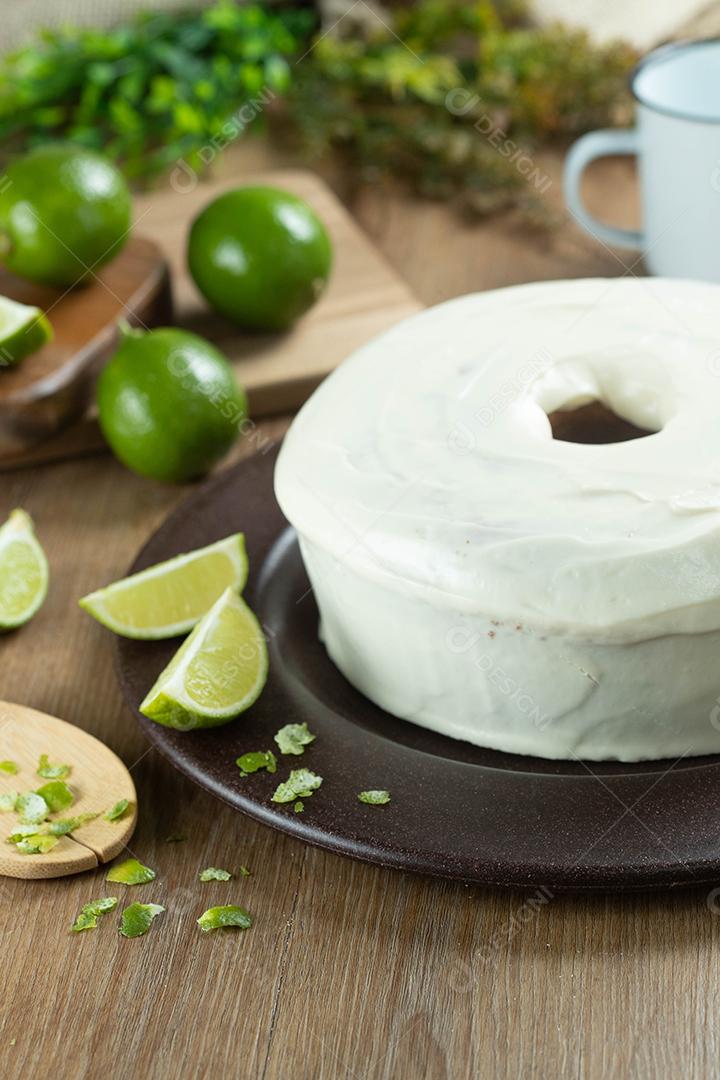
593	423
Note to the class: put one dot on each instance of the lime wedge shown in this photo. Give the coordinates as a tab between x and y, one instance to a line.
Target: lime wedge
23	571
216	674
170	598
23	330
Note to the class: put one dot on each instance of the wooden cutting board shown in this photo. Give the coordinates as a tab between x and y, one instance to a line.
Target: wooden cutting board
279	371
52	386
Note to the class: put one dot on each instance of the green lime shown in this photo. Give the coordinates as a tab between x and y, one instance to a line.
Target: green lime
63	212
23	330
217	673
23	571
260	256
169	403
171	597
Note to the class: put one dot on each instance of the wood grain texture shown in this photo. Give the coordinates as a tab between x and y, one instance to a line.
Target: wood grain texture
350	971
98	780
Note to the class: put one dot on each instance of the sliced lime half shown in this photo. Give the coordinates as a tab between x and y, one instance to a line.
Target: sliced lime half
23	571
23	330
216	674
170	598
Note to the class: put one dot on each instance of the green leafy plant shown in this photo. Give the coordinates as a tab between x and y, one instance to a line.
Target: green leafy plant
150	92
445	99
452	101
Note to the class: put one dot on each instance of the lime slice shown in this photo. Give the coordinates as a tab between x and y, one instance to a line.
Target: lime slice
216	674
170	598
23	330
23	571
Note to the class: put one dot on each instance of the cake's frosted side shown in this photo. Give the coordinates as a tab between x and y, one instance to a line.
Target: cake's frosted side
480	578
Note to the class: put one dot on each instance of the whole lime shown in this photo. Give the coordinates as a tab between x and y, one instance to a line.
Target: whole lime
63	212
260	256
169	404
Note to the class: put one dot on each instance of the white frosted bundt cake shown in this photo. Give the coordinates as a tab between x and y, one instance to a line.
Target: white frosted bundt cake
480	576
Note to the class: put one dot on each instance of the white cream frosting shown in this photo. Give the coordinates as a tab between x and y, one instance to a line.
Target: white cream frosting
426	467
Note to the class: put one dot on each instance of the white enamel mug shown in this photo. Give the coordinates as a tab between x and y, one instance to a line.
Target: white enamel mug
677	144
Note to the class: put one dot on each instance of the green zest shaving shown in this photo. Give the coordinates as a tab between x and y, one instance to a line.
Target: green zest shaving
21	831
255	760
299	806
118	810
52	772
213	874
63	826
137	918
374	798
299	785
244	872
90	913
36	844
41	837
9	767
293	738
131	872
57	795
32	808
215	918
8	801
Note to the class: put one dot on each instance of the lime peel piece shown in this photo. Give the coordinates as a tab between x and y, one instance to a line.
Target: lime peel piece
118	811
137	919
375	797
59	827
63	826
213	873
228	915
255	760
293	738
32	808
8	801
52	772
57	795
131	872
299	785
21	831
89	914
9	767
37	844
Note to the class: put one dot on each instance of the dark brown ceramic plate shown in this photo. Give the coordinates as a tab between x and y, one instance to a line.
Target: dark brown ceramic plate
457	811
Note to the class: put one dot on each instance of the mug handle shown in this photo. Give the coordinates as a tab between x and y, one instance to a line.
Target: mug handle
595	145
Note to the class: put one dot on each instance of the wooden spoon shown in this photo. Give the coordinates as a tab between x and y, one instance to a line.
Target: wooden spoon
98	780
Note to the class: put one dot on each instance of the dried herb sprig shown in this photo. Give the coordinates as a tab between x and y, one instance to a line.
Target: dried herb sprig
453	98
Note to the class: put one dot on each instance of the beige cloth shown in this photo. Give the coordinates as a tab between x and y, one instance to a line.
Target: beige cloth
644	21
20	19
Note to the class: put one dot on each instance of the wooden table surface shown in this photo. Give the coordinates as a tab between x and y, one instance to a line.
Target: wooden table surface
349	970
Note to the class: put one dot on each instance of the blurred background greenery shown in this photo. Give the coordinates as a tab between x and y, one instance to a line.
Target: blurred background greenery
152	85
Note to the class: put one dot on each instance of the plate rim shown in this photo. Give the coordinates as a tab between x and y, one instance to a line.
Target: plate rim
590	877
